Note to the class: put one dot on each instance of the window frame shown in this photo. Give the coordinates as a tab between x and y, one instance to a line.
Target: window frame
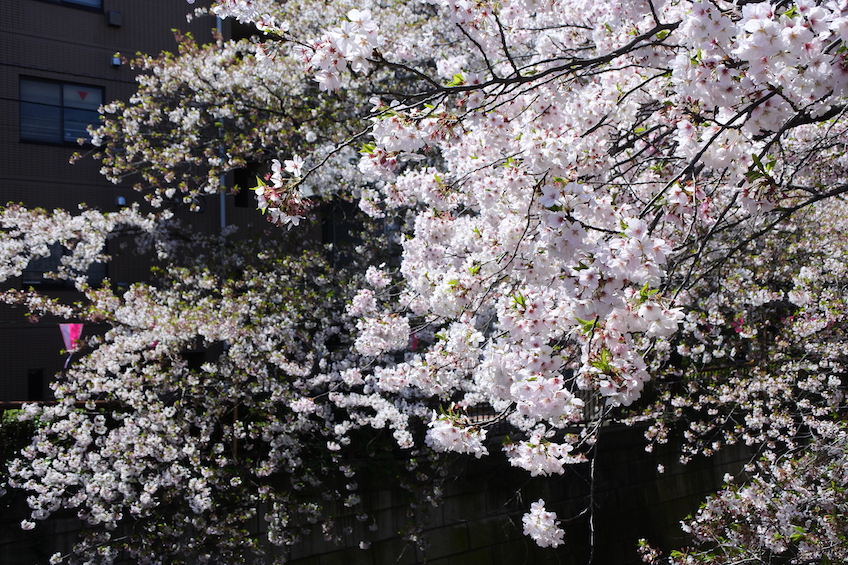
63	107
76	4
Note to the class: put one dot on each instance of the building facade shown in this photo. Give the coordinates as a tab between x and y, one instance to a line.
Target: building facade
59	60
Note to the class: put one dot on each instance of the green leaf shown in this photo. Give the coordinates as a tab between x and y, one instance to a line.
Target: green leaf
753	175
603	362
770	164
697	57
457	80
647	293
587	326
519	299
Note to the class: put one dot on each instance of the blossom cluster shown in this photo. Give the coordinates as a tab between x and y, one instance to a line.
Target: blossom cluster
351	43
282	200
446	435
542	526
786	509
540	456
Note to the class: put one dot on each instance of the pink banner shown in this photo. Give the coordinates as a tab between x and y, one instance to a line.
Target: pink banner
71	333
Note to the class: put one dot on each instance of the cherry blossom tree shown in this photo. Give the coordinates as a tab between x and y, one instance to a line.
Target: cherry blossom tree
761	364
226	387
588	198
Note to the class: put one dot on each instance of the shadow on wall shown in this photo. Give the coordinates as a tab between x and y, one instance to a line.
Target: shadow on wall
479	519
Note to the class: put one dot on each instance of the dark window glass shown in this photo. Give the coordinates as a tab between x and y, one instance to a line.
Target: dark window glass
244	180
35	384
34	273
56	112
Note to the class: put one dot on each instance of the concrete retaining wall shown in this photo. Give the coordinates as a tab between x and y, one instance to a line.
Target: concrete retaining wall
479	520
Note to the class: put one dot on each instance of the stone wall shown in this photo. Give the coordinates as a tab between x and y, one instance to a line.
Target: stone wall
479	519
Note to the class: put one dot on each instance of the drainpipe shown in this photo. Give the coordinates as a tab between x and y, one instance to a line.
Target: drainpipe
222	197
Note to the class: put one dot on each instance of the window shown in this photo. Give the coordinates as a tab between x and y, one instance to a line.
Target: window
33	274
86	4
340	230
35	384
239	30
58	112
244	181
